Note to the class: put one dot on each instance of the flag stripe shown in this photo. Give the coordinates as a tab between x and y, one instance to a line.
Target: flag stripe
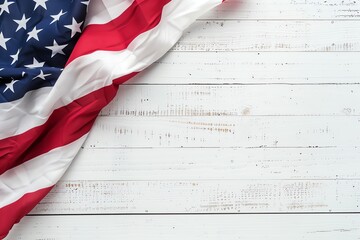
57	130
105	11
23	113
141	16
12	213
30	177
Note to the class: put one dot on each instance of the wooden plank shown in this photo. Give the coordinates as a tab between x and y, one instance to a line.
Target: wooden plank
263	36
224	131
196	196
286	9
215	163
252	227
235	100
253	68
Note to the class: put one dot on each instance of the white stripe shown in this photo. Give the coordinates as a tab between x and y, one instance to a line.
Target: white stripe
20	115
41	172
98	69
104	11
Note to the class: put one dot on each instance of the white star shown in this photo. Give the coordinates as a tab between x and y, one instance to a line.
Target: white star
41	3
35	64
34	34
56	48
74	27
10	86
5	7
15	57
57	16
3	41
42	75
21	23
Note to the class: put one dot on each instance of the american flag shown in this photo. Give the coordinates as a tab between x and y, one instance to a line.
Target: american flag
60	63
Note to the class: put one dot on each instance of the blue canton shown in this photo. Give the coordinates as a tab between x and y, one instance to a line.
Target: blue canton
36	39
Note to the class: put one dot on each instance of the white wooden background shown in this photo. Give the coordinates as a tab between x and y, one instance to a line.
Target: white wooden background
248	129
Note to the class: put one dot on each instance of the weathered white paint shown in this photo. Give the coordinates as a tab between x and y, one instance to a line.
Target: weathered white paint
225	131
215	163
202	196
230	227
253	68
235	100
286	9
254	36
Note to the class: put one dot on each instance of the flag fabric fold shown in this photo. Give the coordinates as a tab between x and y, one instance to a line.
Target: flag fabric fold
61	62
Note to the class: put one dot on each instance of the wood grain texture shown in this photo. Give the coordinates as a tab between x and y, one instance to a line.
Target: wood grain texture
215	163
286	9
253	68
235	100
228	131
186	196
252	227
269	36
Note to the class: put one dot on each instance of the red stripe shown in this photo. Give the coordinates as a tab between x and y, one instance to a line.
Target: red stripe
13	212
65	125
117	34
